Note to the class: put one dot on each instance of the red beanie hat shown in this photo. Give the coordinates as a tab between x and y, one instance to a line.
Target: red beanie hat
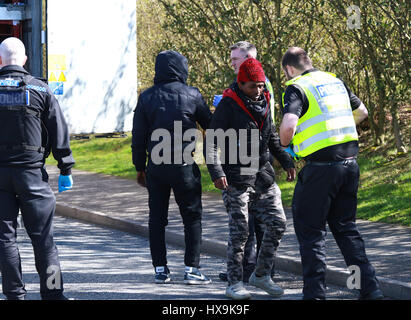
251	70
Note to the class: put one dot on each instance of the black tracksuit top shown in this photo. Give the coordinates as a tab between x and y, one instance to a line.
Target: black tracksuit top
168	101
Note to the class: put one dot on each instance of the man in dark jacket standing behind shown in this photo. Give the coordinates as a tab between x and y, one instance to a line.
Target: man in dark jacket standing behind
170	110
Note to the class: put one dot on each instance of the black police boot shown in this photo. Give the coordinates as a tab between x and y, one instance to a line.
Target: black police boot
55	297
15	298
373	295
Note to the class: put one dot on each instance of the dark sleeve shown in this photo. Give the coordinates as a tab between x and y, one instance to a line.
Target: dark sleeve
275	148
295	101
219	120
58	135
203	113
354	100
139	137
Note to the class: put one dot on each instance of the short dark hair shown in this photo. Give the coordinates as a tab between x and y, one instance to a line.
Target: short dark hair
297	58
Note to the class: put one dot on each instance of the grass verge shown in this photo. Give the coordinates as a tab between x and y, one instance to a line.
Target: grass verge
385	184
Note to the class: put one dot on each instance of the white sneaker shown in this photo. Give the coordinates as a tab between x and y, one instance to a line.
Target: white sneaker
237	292
194	276
265	283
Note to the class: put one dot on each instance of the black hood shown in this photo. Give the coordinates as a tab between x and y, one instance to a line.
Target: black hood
170	66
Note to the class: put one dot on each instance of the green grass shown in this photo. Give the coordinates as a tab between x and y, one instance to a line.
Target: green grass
109	156
385	187
384	194
385	184
206	183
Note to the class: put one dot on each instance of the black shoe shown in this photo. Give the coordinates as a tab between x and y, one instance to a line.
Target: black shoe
223	276
64	298
373	295
162	275
58	297
15	298
246	277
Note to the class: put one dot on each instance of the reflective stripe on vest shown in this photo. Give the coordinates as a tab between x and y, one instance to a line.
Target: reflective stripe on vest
323	117
271	91
328	120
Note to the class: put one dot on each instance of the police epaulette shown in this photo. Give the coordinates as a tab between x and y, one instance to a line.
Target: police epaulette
37	88
9	82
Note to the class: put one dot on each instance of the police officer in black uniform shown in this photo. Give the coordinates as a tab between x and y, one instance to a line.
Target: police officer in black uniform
31	125
326	190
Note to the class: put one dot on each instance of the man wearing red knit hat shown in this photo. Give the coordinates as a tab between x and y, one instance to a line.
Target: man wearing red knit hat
244	116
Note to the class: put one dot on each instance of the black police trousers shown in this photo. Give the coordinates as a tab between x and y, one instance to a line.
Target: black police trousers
185	181
27	189
328	193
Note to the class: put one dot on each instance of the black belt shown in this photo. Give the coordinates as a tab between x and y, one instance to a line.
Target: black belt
35	113
332	163
22	147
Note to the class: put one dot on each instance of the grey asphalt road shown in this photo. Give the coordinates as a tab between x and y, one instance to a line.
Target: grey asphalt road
104	264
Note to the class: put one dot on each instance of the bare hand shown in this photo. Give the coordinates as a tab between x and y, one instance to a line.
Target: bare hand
221	183
141	178
291	174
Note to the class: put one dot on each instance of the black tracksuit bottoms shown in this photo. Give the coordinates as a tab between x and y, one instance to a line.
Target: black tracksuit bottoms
185	181
328	193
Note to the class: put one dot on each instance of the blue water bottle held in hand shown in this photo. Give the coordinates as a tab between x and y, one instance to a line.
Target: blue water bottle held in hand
217	99
65	182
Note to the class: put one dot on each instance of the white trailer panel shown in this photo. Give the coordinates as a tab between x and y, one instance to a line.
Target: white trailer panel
92	62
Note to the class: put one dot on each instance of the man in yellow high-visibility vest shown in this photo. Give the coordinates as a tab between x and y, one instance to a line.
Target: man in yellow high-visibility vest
320	114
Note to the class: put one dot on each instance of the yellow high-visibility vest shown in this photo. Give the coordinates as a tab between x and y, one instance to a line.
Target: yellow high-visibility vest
329	120
270	89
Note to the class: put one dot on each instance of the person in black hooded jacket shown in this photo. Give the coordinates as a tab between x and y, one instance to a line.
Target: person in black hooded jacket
170	109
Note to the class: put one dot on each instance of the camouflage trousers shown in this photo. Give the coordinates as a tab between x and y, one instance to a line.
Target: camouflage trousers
267	208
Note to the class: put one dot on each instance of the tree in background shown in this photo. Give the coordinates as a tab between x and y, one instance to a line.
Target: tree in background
152	38
367	44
